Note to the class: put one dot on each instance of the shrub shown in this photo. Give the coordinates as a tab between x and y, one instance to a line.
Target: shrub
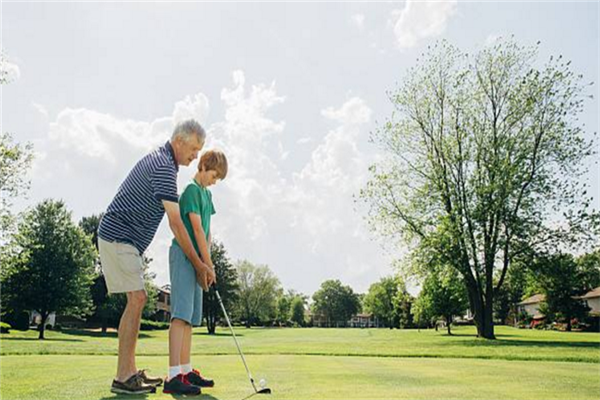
4	327
147	325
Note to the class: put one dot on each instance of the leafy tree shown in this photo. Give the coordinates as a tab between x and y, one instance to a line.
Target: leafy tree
423	312
227	286
15	161
483	151
444	293
563	279
258	292
297	309
379	300
403	303
336	302
53	268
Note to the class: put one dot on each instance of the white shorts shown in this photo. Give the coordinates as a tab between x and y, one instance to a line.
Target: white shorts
122	266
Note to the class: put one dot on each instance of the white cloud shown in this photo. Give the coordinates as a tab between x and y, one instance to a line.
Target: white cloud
9	71
303	225
358	20
420	20
492	39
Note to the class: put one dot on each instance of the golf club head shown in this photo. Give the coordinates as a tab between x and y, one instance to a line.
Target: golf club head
264	391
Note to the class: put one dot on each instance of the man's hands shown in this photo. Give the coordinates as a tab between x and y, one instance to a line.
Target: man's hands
206	277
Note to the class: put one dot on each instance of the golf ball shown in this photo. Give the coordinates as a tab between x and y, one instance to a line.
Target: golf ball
262	383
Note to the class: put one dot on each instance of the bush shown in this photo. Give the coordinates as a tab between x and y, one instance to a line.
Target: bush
57	327
147	325
4	327
18	320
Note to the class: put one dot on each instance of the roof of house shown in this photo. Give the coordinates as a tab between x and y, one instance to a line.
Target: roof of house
536	298
592	294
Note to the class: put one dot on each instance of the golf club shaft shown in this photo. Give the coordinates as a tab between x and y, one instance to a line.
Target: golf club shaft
235	340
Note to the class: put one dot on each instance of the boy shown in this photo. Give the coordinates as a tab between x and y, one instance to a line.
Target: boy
186	294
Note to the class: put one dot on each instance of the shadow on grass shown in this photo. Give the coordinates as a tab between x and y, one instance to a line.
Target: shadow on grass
99	334
35	339
499	342
217	334
145	396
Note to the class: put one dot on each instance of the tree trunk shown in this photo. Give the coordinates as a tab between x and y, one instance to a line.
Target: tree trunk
104	325
482	315
42	326
211	324
448	321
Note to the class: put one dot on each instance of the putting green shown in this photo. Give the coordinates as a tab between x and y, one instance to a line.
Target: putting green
312	377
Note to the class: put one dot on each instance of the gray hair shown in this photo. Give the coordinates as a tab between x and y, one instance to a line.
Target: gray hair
186	129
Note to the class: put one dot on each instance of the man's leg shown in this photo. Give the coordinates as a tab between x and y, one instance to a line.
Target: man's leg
129	328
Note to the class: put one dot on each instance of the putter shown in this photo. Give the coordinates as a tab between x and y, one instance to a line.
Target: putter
262	390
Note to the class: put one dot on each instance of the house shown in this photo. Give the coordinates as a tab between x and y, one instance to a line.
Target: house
531	306
364	321
35	318
592	298
357	321
163	304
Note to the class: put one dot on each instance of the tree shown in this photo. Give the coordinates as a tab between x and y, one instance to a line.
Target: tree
336	302
258	292
297	309
403	303
227	286
482	152
445	295
563	279
15	161
379	300
53	268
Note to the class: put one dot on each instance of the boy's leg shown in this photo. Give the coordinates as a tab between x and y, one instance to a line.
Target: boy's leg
176	341
186	348
129	328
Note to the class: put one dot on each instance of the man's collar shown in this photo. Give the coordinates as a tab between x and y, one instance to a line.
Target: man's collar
170	150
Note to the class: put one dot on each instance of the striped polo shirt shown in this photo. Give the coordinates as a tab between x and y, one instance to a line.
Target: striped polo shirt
134	214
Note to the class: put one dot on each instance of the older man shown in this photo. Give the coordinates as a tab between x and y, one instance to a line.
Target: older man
126	231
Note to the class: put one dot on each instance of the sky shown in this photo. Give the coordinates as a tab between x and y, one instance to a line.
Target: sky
289	91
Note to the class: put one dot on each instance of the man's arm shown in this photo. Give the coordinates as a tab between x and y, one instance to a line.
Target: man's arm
204	272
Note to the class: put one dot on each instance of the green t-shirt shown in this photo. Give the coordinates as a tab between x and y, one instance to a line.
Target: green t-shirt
198	200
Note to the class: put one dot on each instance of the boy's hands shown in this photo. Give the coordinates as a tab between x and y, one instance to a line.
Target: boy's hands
206	278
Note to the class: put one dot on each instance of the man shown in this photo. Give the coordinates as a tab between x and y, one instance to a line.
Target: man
126	231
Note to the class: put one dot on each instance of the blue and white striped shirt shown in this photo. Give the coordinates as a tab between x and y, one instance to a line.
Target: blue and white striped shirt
136	211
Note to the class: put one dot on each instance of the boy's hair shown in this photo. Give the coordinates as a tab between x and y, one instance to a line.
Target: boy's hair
214	160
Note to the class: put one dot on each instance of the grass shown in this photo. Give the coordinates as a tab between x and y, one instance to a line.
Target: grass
320	363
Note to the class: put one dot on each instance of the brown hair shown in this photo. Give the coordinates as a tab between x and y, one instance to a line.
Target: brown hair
214	160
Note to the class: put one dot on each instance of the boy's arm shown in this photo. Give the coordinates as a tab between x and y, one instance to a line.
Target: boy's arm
200	235
184	241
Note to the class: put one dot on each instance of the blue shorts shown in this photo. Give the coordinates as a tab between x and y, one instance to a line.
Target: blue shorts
186	293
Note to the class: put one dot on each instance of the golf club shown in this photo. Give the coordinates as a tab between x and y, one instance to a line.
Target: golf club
262	390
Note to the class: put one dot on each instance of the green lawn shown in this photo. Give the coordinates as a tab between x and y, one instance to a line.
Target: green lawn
321	363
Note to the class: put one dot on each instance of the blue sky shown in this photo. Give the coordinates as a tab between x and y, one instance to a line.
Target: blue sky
290	91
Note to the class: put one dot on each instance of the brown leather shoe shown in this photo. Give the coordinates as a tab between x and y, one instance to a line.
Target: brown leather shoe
149	380
133	385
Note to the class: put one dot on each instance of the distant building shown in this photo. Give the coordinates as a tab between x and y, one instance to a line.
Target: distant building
357	321
163	304
531	306
592	298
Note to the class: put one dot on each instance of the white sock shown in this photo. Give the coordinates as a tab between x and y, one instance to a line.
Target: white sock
186	368
174	371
